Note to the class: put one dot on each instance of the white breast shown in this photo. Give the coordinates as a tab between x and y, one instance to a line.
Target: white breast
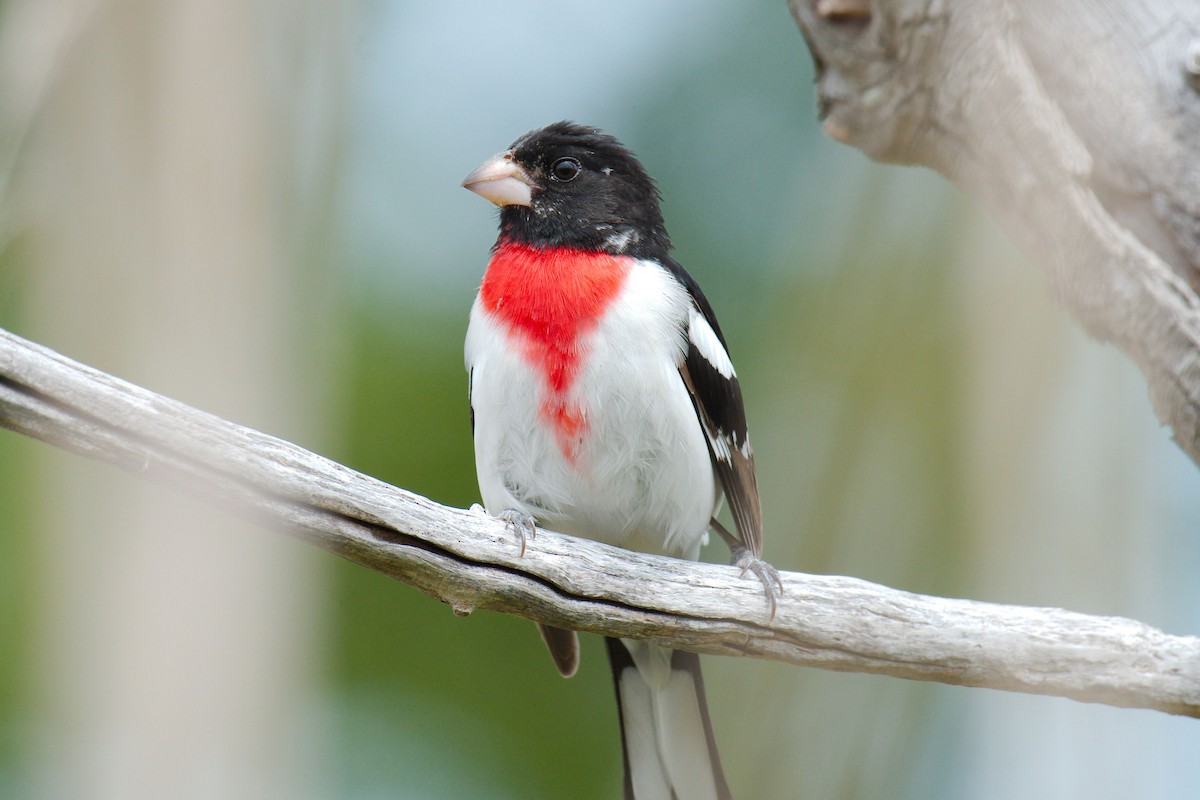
642	477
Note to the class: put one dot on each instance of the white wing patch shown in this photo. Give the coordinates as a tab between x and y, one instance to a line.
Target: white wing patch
720	446
709	346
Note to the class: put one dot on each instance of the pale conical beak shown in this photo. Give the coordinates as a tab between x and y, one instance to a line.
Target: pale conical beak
501	180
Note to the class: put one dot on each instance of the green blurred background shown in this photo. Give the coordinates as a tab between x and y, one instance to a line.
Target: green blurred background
255	207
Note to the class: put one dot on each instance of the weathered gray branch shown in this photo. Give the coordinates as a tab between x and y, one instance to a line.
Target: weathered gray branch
1077	122
469	560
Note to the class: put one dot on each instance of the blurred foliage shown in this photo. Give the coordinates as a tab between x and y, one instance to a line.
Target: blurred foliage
17	524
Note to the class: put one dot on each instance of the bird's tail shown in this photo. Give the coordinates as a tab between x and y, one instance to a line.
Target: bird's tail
666	735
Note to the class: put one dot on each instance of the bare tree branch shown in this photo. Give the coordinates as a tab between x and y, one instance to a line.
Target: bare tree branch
1077	122
469	560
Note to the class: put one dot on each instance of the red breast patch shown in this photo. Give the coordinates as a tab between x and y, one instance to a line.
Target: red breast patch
551	297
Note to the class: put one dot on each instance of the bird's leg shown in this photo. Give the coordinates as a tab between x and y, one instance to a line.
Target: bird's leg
744	559
519	523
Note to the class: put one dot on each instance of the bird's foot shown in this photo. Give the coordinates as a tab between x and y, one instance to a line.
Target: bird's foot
742	558
520	524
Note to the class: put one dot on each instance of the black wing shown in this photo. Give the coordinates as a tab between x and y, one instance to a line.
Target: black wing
710	379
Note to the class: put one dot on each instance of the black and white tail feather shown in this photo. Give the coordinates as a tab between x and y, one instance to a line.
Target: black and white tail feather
666	735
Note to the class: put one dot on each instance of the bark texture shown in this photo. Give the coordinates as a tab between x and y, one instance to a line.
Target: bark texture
1077	122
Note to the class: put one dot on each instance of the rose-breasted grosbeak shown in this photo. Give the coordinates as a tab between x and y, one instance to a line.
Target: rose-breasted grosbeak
604	405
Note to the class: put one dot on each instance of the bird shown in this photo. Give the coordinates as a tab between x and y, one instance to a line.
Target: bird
604	405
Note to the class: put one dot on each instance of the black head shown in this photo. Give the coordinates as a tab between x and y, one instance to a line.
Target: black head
572	185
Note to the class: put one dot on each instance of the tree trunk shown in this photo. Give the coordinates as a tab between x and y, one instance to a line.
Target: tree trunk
1077	122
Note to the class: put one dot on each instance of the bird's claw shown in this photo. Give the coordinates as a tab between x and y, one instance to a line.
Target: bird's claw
746	561
519	523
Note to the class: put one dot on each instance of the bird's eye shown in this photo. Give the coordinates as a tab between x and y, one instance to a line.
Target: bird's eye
565	169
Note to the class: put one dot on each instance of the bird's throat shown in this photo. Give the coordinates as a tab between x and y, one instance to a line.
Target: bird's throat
550	299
